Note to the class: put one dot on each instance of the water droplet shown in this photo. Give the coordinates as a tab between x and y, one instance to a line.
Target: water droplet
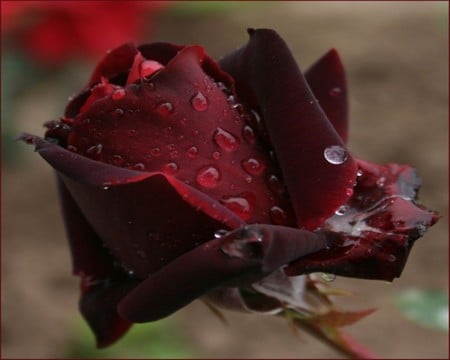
173	154
118	94
249	134
277	215
72	148
95	150
216	155
240	205
381	181
117	160
105	187
208	177
130	272
231	100
342	210
275	184
220	233
335	154
349	192
192	152
245	244
359	173
155	151
164	109
248	179
118	113
328	277
139	166
132	132
335	91
253	166
225	140
199	102
195	132
170	168
392	258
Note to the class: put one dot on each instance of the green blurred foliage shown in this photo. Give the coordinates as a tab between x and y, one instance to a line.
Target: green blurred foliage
427	308
160	339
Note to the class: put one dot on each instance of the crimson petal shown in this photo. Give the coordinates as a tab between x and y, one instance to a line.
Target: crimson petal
241	257
134	201
374	233
299	130
326	78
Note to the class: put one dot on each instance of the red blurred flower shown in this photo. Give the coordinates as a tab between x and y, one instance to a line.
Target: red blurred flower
54	32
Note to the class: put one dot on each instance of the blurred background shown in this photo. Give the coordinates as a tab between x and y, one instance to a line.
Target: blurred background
396	57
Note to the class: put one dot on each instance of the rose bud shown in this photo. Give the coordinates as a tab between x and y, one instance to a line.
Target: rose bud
182	178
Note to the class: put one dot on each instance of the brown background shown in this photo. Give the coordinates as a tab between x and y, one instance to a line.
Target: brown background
396	55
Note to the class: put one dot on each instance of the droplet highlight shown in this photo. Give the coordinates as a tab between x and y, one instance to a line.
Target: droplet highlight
335	154
278	215
199	102
225	140
118	94
240	205
165	109
253	166
208	177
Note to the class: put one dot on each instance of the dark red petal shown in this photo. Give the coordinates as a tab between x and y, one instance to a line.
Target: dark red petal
144	219
299	130
98	306
115	63
326	78
373	234
238	258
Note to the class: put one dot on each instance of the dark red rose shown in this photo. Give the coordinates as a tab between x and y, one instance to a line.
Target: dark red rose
181	177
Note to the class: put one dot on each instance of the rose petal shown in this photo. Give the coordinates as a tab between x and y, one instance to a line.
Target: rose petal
326	78
240	257
374	233
98	306
126	209
300	132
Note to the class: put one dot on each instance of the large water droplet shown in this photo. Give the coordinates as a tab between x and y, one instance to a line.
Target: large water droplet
328	277
275	184
170	168
164	109
278	215
240	205
335	154
118	94
199	102
253	166
225	140
192	152
208	177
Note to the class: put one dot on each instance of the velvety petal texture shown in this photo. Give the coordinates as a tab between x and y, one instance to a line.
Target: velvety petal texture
181	178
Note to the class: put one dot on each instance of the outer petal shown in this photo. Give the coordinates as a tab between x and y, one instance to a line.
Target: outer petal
300	132
142	218
238	258
326	78
373	234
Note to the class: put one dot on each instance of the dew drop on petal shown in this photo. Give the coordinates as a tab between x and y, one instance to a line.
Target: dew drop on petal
225	140
275	184
335	91
139	166
117	160
220	233
192	152
277	215
95	150
249	134
199	102
170	168
253	166
156	151
164	109
118	113
392	258
359	173
328	277
208	177
216	155
72	148
335	154
240	205
118	94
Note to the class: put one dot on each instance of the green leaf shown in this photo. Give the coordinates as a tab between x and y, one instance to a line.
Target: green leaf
428	308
